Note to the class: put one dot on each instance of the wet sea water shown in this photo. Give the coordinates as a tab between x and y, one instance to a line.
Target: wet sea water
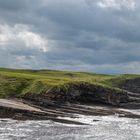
99	128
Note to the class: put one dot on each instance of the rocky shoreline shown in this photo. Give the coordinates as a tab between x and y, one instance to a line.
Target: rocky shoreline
80	98
21	109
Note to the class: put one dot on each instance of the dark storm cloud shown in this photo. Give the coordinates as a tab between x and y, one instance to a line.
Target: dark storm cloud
80	35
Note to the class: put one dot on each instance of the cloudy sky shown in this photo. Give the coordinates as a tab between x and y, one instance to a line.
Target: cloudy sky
100	36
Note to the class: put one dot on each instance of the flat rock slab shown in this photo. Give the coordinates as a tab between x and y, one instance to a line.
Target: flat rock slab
24	110
11	103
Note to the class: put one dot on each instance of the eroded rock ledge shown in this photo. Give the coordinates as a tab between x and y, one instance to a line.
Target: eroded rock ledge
25	110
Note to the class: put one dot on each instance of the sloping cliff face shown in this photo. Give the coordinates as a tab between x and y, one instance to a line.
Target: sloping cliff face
132	85
82	93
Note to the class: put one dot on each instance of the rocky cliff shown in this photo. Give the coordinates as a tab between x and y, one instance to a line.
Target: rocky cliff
83	93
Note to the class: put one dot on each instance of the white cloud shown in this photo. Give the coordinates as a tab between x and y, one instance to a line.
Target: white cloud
23	35
117	4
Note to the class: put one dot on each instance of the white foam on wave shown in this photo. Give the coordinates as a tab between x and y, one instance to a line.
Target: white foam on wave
100	127
92	120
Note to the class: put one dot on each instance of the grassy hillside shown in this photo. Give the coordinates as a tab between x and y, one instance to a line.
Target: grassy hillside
21	82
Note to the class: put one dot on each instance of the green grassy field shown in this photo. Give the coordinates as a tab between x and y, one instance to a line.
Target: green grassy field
16	83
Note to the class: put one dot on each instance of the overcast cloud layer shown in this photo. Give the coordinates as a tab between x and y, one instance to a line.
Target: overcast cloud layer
80	35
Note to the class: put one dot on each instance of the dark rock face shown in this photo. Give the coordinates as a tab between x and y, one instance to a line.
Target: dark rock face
132	85
85	93
91	94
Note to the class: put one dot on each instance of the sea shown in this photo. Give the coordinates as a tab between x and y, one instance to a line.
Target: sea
95	128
